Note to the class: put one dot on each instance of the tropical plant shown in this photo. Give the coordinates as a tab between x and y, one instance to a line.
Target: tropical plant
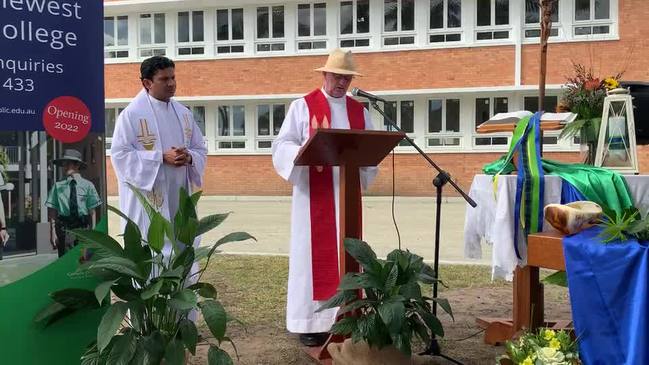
393	310
157	292
544	347
619	227
584	95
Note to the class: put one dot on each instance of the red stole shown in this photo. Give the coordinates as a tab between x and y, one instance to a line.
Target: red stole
324	232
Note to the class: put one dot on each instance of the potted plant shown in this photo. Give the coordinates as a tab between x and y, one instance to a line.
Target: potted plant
149	321
392	312
584	95
544	347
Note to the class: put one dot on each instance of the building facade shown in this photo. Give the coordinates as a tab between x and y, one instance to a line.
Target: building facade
444	65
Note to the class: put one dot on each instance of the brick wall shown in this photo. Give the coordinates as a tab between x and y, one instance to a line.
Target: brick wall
254	175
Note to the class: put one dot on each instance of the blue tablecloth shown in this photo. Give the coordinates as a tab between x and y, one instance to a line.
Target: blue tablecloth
609	295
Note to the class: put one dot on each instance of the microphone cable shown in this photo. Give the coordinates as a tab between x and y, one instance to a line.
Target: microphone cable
394	219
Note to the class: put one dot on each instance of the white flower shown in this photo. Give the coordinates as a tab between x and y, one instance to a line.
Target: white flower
550	356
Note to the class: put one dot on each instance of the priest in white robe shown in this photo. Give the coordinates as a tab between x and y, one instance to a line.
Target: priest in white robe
157	147
313	263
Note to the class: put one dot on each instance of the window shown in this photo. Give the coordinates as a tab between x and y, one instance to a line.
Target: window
199	116
443	123
398	16
116	36
270	29
532	19
229	31
403	113
231	127
492	20
531	103
152	35
445	21
269	121
354	23
110	117
311	26
190	33
485	108
592	17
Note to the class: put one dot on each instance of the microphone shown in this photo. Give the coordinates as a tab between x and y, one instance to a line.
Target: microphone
364	94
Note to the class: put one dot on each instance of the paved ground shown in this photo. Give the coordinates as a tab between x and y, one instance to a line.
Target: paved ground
268	219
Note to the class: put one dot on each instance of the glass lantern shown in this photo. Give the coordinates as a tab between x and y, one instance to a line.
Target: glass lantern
616	147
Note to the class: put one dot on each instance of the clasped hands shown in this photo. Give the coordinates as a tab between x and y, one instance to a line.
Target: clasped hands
177	156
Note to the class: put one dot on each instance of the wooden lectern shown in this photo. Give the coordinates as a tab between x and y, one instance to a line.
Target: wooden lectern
350	149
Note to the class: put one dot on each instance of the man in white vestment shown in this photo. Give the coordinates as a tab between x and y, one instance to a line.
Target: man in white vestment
313	263
157	147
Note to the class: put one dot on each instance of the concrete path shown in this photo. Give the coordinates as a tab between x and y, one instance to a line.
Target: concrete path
268	219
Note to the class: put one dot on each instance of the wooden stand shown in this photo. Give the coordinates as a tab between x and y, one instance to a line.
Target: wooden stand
350	150
544	250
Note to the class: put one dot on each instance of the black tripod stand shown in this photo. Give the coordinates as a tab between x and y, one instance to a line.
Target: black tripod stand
439	181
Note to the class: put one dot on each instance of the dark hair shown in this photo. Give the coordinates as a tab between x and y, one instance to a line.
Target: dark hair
149	66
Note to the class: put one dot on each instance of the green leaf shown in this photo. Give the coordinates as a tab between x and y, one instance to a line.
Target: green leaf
205	290
196	197
349	282
99	238
391	279
183	300
50	310
411	290
431	322
156	234
339	299
210	222
187	232
123	349
363	253
215	317
344	326
420	329
558	278
393	314
357	304
173	273
216	356
174	353
75	298
184	260
445	305
235	237
120	265
152	290
125	291
155	347
188	334
102	290
148	208
402	343
110	323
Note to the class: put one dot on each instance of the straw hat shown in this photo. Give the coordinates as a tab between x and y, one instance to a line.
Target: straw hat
340	62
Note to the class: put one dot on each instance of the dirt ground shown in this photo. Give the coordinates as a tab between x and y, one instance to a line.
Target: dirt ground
271	344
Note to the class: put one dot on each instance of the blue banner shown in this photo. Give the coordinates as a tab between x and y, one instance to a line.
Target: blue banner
51	67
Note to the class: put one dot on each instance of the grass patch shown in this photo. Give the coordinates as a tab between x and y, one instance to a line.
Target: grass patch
253	288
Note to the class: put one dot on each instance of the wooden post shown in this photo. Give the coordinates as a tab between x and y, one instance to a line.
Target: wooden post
545	17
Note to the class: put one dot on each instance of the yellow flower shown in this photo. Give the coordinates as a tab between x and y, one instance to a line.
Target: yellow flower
527	361
548	335
555	344
611	83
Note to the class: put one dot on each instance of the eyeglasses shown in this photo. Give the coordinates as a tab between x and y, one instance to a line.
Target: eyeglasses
339	77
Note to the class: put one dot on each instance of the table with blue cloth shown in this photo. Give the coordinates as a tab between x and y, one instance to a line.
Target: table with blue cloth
609	294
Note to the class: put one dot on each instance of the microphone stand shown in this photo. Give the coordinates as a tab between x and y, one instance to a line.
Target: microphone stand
439	181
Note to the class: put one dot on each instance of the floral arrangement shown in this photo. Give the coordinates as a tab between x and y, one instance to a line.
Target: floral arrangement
584	95
545	347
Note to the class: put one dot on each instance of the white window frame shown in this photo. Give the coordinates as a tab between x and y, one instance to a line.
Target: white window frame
556	26
592	22
231	137
403	145
270	41
192	45
311	38
114	49
354	36
475	135
445	31
271	124
493	28
399	35
230	43
444	134
117	110
156	49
